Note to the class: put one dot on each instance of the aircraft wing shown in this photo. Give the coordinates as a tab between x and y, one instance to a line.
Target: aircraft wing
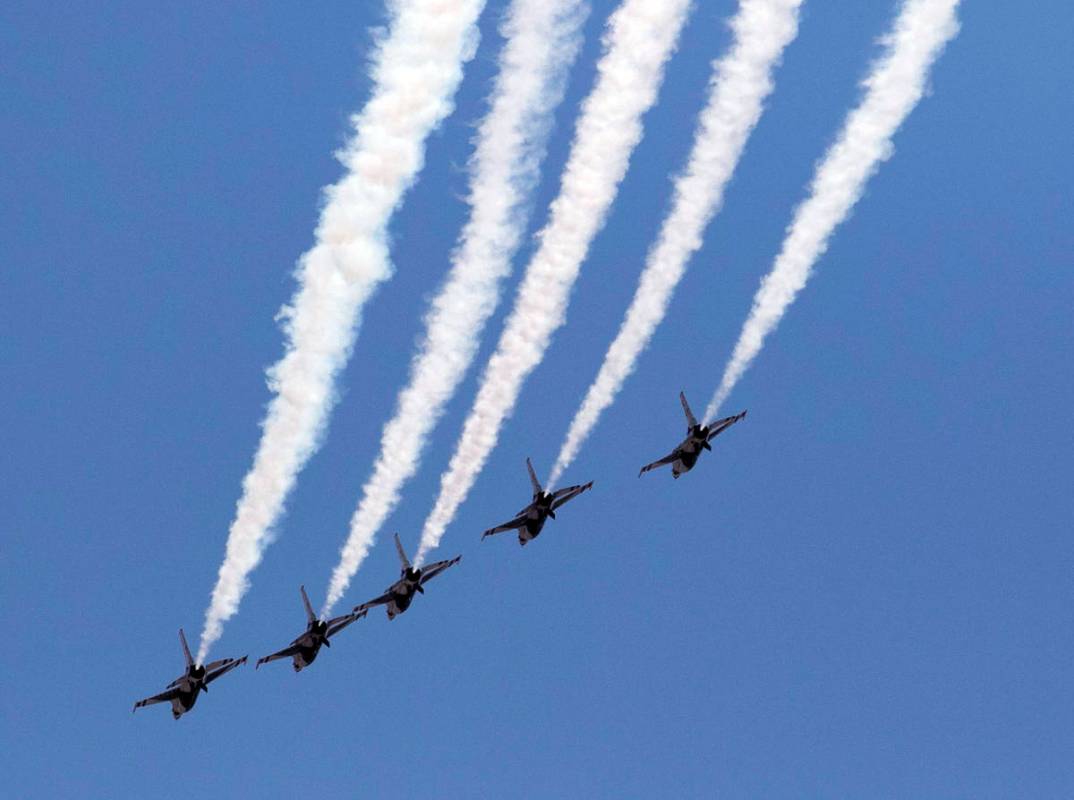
513	525
433	570
561	496
177	681
287	652
217	668
164	697
376	601
718	427
668	459
336	624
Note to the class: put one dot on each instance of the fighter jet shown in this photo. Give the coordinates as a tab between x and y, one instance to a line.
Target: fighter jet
183	691
305	648
683	457
531	519
400	594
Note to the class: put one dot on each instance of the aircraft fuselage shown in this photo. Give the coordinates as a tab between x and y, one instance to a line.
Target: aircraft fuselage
310	646
536	516
534	525
189	689
688	452
402	592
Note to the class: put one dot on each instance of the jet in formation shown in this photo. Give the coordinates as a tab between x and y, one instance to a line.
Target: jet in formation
532	518
183	692
401	593
683	457
303	650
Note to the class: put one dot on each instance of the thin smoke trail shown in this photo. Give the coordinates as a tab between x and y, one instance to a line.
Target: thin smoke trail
640	38
415	71
892	89
741	81
543	37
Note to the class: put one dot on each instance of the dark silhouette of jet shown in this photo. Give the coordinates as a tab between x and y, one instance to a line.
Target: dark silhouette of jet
183	692
683	457
532	518
401	593
305	648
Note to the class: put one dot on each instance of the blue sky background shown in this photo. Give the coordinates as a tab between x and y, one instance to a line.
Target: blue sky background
864	592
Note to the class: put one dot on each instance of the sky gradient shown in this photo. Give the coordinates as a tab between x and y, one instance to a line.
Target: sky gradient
864	591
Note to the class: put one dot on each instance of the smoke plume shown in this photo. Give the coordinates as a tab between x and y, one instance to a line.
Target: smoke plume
640	38
892	89
416	70
542	41
741	81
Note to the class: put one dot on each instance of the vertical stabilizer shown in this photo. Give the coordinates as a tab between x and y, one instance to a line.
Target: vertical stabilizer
402	553
691	420
533	479
186	650
310	616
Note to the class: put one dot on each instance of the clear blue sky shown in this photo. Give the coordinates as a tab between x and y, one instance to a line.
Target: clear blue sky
866	591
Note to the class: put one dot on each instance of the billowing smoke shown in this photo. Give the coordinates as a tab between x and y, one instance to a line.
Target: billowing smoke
640	38
416	70
542	41
892	89
741	81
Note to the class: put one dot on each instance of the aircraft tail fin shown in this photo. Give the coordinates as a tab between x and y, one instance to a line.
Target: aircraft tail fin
533	478
691	420
310	616
186	650
402	553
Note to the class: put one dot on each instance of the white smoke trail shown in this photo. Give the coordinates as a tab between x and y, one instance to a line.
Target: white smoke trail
415	71
640	38
741	81
893	87
542	41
